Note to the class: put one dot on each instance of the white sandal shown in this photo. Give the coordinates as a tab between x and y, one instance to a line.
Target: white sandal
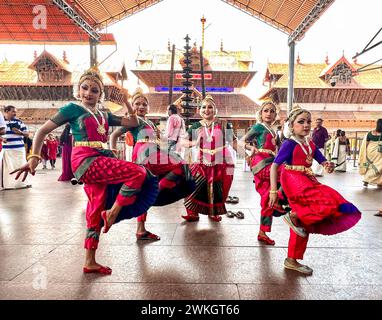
299	268
298	230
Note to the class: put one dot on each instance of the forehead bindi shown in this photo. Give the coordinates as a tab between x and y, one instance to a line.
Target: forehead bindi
140	101
268	108
90	84
304	116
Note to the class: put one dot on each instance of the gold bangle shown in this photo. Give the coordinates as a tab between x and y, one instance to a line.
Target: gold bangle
33	156
132	114
273	191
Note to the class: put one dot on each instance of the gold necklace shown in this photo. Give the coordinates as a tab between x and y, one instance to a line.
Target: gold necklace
101	127
309	157
209	135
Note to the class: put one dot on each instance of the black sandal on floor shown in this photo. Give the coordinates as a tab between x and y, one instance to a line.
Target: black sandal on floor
232	199
235	199
379	213
230	214
239	215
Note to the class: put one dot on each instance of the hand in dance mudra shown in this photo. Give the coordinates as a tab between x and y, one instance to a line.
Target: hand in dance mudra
29	167
329	166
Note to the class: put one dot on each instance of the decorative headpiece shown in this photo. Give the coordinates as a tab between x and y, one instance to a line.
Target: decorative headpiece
266	103
296	111
288	125
209	99
92	74
138	93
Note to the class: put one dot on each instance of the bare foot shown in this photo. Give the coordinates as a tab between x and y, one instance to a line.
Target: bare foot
92	265
263	237
262	233
108	218
97	268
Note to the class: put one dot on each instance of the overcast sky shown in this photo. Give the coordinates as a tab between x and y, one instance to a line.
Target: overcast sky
346	26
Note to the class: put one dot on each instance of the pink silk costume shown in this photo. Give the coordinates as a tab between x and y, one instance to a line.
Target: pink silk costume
319	208
213	170
97	168
67	173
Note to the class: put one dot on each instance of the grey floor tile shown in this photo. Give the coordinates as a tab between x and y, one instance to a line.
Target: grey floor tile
41	242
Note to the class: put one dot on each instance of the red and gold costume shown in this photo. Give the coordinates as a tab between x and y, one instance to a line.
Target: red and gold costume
319	208
267	142
98	168
175	180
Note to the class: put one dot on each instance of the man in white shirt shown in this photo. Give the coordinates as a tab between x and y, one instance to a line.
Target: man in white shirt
14	150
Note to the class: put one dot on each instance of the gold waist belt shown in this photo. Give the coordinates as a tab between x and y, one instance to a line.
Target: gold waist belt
147	141
267	151
92	144
212	151
303	169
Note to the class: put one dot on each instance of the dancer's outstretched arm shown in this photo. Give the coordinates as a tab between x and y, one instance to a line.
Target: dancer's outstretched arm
34	158
132	120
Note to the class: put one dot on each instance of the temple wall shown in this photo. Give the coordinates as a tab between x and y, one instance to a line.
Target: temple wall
337	107
24	104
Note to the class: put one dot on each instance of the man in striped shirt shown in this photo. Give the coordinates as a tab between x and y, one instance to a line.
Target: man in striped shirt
2	132
14	151
2	129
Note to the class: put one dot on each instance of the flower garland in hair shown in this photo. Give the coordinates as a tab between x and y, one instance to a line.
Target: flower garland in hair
138	93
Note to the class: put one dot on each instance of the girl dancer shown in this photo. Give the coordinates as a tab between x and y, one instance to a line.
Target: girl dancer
175	180
316	208
263	143
96	166
214	166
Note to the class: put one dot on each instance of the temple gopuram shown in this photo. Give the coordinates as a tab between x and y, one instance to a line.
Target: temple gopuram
338	93
40	87
225	74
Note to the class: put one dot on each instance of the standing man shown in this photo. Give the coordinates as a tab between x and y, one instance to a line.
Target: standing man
175	129
14	149
319	137
2	132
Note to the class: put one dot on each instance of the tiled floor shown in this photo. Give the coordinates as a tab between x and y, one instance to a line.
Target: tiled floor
41	254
